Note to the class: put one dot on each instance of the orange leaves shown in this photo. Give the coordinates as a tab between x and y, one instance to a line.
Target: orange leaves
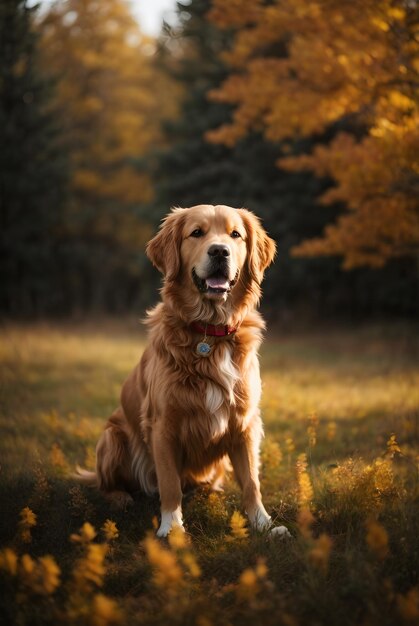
322	53
235	12
299	67
111	95
375	178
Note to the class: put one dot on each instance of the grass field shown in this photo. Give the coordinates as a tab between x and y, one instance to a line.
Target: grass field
332	471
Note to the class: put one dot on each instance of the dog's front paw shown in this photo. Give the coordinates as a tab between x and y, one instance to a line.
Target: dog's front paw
259	519
170	519
165	529
280	531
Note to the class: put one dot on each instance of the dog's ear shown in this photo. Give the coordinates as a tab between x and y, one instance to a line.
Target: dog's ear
261	249
164	249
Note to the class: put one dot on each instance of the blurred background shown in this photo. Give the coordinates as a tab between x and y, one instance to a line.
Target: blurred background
304	112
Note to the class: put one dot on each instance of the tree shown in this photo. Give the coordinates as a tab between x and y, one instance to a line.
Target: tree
299	68
33	169
111	100
190	171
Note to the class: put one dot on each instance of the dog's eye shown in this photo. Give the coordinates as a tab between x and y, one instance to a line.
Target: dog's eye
234	234
198	232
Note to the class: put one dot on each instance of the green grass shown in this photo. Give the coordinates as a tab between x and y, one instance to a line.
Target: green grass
335	395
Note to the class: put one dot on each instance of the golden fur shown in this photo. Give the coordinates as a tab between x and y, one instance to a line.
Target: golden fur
183	415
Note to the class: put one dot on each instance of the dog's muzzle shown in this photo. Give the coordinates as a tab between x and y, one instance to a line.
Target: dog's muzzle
217	281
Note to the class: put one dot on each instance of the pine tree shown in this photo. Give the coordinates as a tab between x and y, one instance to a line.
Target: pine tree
32	170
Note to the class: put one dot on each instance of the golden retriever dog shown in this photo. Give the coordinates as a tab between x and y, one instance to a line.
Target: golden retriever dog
192	402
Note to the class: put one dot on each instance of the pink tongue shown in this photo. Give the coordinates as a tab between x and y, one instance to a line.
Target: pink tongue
217	283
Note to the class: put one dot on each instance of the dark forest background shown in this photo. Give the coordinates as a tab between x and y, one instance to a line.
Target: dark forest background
84	182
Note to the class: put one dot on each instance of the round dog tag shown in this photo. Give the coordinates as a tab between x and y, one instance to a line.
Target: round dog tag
203	348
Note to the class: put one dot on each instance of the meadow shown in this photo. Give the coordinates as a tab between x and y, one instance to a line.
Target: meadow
339	467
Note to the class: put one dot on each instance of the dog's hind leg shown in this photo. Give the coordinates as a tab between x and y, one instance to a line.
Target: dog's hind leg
113	461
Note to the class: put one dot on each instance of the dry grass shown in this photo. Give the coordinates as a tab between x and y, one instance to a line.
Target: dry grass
331	471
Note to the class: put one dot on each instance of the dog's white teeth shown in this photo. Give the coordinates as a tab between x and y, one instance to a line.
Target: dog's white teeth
218	283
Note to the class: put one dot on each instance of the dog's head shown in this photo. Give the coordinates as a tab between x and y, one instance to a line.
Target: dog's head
212	249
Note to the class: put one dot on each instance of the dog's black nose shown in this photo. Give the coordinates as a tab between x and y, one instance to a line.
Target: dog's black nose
219	249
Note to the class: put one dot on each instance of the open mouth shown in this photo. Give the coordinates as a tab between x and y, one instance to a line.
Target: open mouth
216	283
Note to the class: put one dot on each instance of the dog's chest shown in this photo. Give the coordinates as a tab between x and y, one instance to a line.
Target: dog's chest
216	400
219	395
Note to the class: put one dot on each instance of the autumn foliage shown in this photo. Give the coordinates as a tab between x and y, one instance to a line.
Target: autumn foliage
301	68
271	105
100	56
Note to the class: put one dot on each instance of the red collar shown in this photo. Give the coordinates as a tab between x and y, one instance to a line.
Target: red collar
213	331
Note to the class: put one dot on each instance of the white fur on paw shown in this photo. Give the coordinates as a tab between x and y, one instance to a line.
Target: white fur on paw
280	531
169	519
259	519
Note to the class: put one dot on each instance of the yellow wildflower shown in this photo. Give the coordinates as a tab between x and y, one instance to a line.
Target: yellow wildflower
27	517
105	611
41	576
383	476
238	526
377	539
289	444
190	563
396	13
305	489
305	492
167	572
57	456
408	605
392	447
49	574
27	521
331	431
87	534
177	538
312	429
319	554
27	566
8	561
91	568
261	569
110	530
249	580
248	585
305	520
271	455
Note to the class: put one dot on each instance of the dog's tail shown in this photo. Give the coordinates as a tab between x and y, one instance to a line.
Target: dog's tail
85	477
